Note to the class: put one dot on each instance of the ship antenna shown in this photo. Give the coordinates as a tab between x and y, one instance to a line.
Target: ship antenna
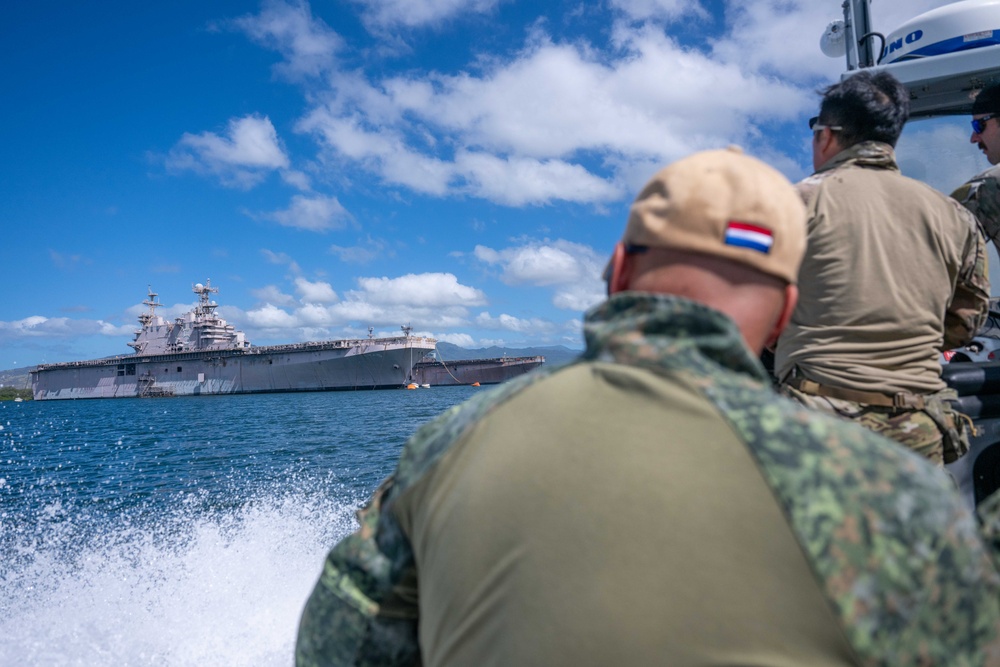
370	330
152	303
406	329
203	291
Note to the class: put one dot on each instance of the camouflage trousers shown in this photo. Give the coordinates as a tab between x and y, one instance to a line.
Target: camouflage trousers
937	432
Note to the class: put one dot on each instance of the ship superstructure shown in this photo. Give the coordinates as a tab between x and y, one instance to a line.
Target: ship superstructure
198	329
200	353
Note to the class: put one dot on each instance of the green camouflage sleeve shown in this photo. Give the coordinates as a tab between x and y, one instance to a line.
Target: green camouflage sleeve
988	511
363	609
970	303
981	195
900	557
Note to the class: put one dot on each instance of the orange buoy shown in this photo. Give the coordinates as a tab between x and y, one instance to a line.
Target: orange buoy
475	384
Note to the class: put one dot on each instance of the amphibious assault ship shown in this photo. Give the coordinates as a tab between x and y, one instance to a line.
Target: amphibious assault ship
202	354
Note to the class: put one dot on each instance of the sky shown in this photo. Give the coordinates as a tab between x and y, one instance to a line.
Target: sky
463	167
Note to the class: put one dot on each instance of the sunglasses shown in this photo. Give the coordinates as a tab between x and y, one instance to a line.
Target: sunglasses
979	124
815	127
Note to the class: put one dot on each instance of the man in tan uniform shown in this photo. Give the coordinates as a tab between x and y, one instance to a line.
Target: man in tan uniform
981	194
894	273
655	502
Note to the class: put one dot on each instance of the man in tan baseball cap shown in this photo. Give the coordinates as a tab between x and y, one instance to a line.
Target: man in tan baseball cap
655	502
723	229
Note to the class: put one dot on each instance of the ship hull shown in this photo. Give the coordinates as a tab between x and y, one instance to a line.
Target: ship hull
471	371
329	366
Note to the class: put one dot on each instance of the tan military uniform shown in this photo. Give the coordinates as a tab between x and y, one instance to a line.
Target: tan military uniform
894	273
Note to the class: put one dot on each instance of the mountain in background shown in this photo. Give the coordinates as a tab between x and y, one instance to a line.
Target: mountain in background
18	378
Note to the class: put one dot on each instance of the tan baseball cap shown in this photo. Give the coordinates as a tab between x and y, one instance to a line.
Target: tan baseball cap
726	204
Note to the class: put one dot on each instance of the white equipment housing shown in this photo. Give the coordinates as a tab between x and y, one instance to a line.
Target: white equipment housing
944	56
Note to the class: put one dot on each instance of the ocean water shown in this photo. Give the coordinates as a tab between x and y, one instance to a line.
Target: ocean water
183	531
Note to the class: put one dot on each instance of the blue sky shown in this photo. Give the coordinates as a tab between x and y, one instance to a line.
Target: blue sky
461	166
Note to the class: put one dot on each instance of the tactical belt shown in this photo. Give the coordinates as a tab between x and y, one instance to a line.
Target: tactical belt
903	399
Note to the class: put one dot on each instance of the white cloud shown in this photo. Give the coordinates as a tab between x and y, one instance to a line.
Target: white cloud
315	292
308	45
488	255
315	213
545	263
271	317
525	125
272	295
282	259
579	297
355	254
314	315
780	37
416	13
362	253
425	289
35	325
242	158
555	100
67	261
519	181
296	179
383	150
571	269
430	301
534	326
541	264
460	339
573	120
640	10
38	326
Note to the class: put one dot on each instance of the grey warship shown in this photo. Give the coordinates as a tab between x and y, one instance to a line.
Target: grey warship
200	353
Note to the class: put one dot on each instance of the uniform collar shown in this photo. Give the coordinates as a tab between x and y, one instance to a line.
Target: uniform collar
871	154
665	332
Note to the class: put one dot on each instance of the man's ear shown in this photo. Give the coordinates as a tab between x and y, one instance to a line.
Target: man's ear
621	270
791	298
828	144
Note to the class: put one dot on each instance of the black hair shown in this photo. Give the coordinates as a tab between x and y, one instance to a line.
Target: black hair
868	107
988	100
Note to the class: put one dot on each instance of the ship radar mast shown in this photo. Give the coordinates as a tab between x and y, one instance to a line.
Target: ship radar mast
406	330
146	318
205	307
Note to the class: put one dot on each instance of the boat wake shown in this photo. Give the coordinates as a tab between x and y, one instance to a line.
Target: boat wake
191	587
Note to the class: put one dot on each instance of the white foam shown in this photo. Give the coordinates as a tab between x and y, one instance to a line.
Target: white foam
180	591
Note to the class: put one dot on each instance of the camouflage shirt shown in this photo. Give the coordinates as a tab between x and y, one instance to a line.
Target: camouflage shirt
981	195
892	554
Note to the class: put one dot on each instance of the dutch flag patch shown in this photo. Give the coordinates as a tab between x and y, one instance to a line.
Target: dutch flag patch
745	235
